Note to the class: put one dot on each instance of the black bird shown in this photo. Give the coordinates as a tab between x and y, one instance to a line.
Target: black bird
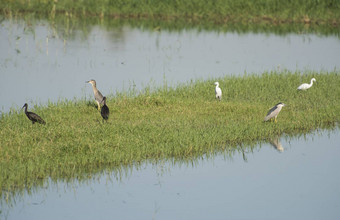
32	116
105	112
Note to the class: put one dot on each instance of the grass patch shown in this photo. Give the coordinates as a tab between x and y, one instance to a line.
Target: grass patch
219	11
168	123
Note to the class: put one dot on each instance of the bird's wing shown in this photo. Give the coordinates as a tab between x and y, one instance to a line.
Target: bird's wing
99	97
36	117
270	113
218	91
303	86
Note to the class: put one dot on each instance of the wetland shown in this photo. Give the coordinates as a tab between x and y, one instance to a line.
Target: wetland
168	141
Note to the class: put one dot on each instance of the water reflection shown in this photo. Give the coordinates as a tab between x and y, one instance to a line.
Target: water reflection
275	142
184	189
46	62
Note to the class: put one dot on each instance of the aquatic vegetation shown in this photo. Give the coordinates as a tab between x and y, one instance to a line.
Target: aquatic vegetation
67	26
272	12
164	123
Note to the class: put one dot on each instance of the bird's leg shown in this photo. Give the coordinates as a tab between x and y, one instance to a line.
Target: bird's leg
98	105
275	120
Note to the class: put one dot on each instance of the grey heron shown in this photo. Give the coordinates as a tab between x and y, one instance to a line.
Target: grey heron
97	95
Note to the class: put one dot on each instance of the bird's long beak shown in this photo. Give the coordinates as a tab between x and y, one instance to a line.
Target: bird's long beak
87	81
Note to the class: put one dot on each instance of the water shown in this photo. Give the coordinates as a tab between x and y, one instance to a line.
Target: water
300	181
38	64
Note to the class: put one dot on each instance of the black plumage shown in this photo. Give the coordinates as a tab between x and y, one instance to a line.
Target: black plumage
32	116
105	112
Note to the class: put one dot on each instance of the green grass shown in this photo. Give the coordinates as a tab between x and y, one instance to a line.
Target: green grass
67	18
220	11
168	123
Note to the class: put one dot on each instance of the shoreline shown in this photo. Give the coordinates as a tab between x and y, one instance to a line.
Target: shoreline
181	122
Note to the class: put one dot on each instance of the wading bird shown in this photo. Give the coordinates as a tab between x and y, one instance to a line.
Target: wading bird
97	95
306	86
32	116
274	112
218	91
105	112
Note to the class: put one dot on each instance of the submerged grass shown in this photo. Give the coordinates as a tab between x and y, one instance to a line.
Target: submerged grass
167	123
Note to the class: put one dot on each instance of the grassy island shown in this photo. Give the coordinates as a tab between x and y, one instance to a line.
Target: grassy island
166	123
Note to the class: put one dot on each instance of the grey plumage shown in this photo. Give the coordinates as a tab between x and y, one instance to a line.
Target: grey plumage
97	94
274	112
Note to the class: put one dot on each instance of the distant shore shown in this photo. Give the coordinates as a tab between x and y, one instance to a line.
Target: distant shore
222	11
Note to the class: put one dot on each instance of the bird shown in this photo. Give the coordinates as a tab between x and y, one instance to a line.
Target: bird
97	95
274	112
218	91
32	116
306	86
105	112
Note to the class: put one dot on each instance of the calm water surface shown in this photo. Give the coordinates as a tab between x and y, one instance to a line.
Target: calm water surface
298	180
38	64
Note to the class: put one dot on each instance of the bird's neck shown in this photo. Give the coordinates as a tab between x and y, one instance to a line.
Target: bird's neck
94	89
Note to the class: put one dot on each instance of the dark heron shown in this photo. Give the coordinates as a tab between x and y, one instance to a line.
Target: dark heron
32	116
274	112
105	112
97	95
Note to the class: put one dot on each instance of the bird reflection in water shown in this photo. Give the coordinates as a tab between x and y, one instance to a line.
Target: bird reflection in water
276	144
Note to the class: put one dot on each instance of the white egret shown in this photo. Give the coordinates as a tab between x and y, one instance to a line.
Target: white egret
306	86
218	91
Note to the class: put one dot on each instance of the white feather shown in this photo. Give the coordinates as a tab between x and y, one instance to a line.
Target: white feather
306	86
218	91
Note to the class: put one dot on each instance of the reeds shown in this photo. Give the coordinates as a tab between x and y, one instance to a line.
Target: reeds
219	11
